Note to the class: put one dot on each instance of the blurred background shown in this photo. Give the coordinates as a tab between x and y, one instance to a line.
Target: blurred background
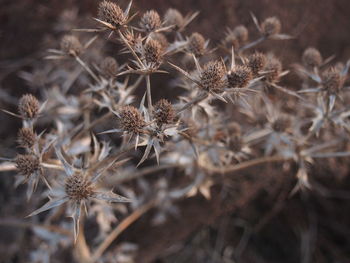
261	224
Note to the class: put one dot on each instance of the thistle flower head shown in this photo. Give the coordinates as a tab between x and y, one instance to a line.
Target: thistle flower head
235	143
211	78
241	33
28	107
231	41
164	112
153	52
71	45
239	77
162	40
150	21
131	119
173	17
111	13
78	187
273	67
196	44
271	26
256	62
312	57
109	67
27	164
332	80
26	138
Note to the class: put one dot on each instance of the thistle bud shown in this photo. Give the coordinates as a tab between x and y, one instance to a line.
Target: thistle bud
28	107
235	143
111	13
239	77
109	67
241	33
27	164
211	78
162	40
273	68
332	80
78	187
150	21
26	138
231	41
131	119
153	52
173	17
196	44
71	45
256	62
271	26
164	112
312	57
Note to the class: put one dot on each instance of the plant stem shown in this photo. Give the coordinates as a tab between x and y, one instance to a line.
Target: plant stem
149	97
83	64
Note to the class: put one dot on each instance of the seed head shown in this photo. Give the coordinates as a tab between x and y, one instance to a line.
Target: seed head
256	62
196	44
153	52
78	187
274	68
111	13
235	143
27	164
173	17
231	41
162	40
28	107
71	45
281	124
109	67
131	119
26	138
164	112
239	77
150	21
241	33
211	78
271	26
332	80
312	57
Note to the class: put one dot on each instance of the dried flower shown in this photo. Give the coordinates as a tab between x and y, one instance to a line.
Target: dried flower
164	112
26	137
196	44
28	107
111	13
273	68
131	119
211	78
256	62
150	21
109	67
173	17
241	33
71	45
239	77
312	57
271	26
27	164
331	80
153	52
162	40
78	187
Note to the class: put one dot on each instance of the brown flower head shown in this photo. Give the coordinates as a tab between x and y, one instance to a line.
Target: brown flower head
312	57
111	13
131	119
162	40
239	77
28	107
150	21
27	164
211	78
256	62
109	67
173	17
164	112
153	52
271	26
241	33
26	138
332	80
78	187
196	44
273	67
71	45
